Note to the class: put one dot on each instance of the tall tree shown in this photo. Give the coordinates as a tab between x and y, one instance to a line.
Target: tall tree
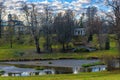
115	17
99	32
64	26
91	12
1	13
33	19
47	27
115	6
10	29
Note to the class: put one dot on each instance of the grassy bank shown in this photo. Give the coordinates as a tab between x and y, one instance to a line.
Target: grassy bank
22	52
81	76
17	54
29	53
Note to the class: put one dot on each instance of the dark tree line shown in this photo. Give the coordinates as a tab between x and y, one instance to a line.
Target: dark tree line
62	25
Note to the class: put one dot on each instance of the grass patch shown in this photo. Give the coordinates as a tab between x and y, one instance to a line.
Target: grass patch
81	76
92	64
21	52
16	54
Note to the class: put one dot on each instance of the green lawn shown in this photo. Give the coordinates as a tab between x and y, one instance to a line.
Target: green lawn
28	52
81	76
16	54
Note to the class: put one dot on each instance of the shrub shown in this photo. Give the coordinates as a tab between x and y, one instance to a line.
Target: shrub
2	72
49	62
81	50
18	53
39	68
92	64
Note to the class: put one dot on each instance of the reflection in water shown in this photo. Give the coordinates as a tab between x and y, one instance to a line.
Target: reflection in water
15	71
51	67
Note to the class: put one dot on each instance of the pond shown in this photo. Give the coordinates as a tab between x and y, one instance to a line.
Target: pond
6	70
55	63
52	66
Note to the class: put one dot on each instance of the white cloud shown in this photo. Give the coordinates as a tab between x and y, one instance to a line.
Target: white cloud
84	1
13	6
56	4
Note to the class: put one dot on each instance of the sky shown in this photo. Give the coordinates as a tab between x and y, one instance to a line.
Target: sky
78	6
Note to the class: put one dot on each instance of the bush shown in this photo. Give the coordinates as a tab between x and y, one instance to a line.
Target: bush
81	50
92	64
18	53
2	72
49	62
28	41
39	68
20	41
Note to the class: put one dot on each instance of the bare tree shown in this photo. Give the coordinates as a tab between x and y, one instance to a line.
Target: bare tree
91	12
102	33
33	19
64	26
115	4
47	28
10	29
1	13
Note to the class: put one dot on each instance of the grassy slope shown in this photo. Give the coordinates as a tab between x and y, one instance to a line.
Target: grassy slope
7	53
81	76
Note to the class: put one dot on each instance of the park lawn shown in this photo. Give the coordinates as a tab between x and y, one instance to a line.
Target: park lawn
15	54
28	52
81	76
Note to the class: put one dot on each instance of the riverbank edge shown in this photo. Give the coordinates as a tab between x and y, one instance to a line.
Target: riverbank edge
89	58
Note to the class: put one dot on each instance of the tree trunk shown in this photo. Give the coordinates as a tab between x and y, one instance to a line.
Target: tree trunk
90	37
107	44
0	31
11	43
47	43
0	26
63	47
37	45
67	45
38	49
119	51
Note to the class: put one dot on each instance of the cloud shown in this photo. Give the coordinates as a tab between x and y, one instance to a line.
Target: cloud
14	6
59	5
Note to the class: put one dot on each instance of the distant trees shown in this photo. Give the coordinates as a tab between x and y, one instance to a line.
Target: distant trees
61	25
37	22
10	30
1	14
99	33
47	28
115	5
115	17
64	26
101	30
91	12
33	19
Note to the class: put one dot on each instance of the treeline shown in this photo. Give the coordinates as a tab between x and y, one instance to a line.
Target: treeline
60	27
